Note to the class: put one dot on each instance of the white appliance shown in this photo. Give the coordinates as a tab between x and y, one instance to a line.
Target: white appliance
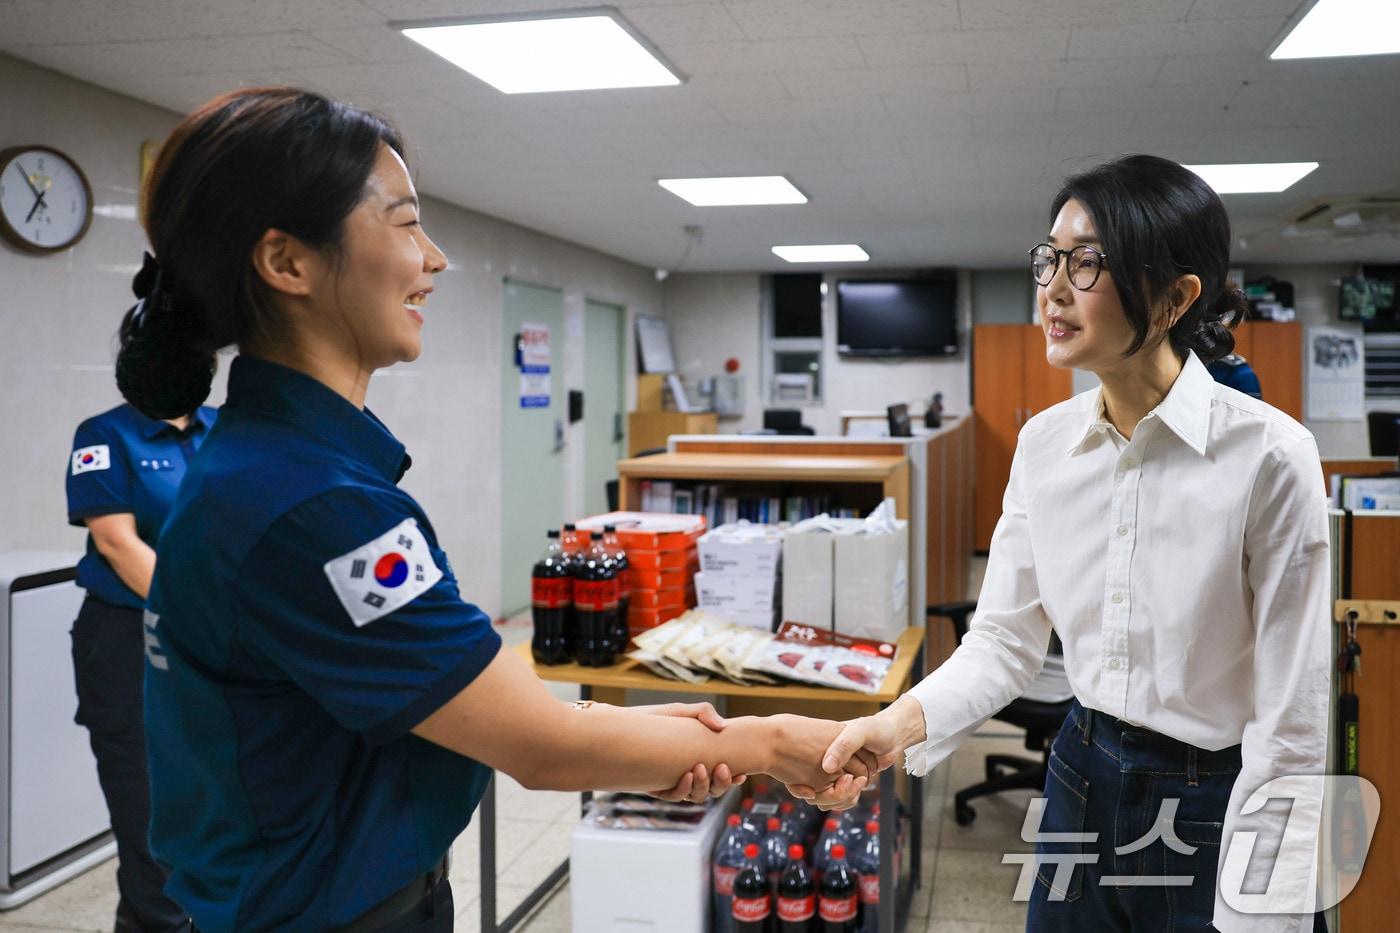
644	879
53	818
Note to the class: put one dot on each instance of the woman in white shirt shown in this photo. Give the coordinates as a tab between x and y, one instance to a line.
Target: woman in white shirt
1174	533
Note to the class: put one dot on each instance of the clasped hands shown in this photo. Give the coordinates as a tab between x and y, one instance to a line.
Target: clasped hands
825	763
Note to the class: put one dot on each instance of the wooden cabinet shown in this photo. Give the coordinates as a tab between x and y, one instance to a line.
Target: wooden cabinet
1011	381
1275	351
648	430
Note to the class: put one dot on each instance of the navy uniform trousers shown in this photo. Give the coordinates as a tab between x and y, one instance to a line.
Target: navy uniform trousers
108	665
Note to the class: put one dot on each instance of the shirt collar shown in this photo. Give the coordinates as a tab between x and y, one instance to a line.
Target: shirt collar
151	428
302	401
1185	410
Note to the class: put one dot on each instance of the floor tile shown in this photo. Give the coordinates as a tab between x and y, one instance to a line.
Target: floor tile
965	926
87	902
974	885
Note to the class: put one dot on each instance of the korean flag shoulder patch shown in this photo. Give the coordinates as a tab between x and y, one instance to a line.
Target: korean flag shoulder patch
87	459
385	574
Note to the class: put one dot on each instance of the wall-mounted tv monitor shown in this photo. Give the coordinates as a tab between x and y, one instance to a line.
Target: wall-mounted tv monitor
897	317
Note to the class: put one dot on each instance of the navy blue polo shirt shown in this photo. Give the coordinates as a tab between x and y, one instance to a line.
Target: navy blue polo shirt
302	620
123	461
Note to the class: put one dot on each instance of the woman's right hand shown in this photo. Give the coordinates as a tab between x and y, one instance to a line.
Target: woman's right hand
801	744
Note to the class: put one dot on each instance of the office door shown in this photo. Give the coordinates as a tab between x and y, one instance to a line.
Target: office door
604	422
532	433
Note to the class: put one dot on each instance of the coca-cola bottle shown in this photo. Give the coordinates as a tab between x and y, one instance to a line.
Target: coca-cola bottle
624	584
828	840
551	601
595	608
839	903
797	895
752	904
728	859
866	862
572	545
775	852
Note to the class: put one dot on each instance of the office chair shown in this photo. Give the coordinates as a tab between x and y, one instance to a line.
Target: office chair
785	421
1041	721
1383	429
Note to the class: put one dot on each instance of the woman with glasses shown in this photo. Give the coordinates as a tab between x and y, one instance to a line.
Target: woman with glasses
1173	532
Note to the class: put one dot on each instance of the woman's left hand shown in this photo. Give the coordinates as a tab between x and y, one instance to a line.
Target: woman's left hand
697	784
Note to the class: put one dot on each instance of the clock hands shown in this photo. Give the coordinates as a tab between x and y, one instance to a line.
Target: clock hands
38	195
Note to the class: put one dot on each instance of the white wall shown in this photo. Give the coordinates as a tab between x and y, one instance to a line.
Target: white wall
60	315
715	316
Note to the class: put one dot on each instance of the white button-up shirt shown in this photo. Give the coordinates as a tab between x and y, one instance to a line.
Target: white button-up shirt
1187	574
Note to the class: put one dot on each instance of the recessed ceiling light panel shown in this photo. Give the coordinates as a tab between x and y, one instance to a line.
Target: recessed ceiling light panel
1253	178
1333	28
838	252
751	189
558	52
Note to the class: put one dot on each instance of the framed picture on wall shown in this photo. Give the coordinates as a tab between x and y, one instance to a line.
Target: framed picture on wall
654	345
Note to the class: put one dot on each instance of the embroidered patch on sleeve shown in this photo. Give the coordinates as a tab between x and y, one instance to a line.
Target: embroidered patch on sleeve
385	574
87	459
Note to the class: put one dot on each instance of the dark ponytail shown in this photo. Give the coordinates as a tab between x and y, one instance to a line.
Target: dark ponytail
242	164
1158	221
164	367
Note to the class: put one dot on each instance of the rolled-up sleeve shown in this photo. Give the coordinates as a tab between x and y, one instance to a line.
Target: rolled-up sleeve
1288	570
1005	645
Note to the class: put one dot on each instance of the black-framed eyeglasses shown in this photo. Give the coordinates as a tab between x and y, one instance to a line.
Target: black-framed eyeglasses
1084	263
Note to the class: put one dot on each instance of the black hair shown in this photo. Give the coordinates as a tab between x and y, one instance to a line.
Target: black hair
1158	221
243	163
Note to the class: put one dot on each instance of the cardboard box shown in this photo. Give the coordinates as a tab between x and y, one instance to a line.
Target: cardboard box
643	879
742	550
872	584
724	593
809	571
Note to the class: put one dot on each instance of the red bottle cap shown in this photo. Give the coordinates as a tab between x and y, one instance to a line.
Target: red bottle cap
772	823
733	819
838	851
747	804
751	851
785	807
872	827
831	824
796	852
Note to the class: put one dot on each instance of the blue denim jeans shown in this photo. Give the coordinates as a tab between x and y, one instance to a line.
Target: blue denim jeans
1113	779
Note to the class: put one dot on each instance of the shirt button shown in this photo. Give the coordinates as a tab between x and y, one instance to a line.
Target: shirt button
1117	597
1129	463
1122	529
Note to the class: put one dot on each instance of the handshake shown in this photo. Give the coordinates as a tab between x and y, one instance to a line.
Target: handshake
825	763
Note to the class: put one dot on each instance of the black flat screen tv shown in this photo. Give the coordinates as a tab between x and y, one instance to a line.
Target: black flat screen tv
897	317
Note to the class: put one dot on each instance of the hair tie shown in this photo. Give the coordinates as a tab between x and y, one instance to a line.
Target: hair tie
150	279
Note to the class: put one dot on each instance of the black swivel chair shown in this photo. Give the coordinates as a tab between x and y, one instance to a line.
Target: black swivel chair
785	421
1041	721
1383	427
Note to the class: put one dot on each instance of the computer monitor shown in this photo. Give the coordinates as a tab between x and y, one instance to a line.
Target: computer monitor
898	417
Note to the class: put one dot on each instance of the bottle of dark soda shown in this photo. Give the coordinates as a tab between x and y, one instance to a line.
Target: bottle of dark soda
728	859
551	601
775	853
797	895
595	608
866	862
839	903
828	840
572	546
624	584
752	905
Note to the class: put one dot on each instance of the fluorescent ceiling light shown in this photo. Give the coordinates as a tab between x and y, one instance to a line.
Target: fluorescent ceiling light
752	189
1344	27
1253	178
561	53
839	252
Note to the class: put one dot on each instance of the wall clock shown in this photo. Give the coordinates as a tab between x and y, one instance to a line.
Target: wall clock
45	199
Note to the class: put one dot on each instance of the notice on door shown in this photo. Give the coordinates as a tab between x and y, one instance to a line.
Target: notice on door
534	365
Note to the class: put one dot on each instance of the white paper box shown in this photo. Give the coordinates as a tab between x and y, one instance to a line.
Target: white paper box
743	550
809	570
745	594
872	584
645	879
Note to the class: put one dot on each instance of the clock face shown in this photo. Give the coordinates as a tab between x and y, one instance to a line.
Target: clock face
45	202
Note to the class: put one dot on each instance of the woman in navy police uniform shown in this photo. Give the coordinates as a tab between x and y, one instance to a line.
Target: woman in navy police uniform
122	477
322	707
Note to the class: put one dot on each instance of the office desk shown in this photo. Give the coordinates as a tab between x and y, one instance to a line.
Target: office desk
610	685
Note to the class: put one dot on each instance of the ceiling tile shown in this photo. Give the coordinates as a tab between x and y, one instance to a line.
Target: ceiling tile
983	45
1029	14
695	58
771	19
1243	37
1106	72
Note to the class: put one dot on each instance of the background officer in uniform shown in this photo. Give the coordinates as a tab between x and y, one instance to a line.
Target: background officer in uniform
122	478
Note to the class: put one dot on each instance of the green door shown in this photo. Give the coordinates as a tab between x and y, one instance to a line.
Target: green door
603	418
532	433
